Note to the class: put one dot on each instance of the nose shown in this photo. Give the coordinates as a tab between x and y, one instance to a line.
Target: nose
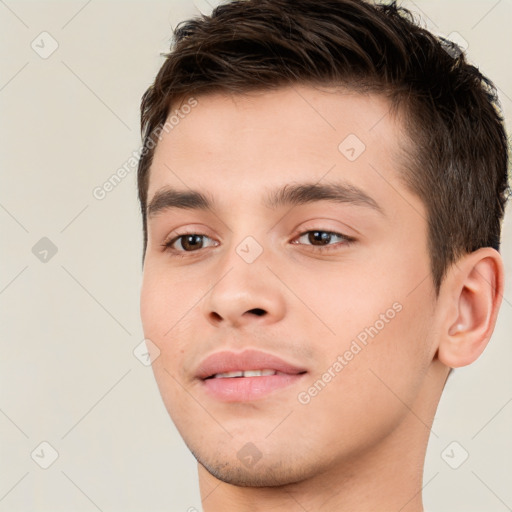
244	292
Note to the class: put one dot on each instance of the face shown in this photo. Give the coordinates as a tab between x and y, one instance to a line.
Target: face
305	257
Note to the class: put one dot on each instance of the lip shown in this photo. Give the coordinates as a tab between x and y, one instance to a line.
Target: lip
227	361
242	389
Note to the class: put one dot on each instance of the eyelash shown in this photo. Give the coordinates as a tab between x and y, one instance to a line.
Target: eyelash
346	241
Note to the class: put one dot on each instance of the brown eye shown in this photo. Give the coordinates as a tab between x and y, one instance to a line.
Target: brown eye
320	239
189	242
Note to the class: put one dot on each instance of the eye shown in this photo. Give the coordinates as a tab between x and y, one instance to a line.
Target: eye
321	239
189	242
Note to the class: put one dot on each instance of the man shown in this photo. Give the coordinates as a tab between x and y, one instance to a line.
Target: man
322	188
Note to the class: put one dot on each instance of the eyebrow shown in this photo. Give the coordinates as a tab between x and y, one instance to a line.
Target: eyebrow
289	195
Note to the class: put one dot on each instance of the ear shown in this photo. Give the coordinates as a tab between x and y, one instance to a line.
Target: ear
471	297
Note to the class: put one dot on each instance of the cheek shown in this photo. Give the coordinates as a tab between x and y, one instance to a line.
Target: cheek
165	314
379	324
166	301
169	311
155	304
345	303
374	390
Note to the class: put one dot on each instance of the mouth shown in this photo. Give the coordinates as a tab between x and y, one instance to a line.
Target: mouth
246	376
247	373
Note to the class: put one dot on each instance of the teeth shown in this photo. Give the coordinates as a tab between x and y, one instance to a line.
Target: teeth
258	373
228	374
246	373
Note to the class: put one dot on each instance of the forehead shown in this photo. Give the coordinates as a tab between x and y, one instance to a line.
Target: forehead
242	144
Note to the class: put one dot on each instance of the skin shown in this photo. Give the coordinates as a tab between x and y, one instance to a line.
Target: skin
359	444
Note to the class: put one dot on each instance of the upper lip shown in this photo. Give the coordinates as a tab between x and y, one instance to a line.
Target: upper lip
227	361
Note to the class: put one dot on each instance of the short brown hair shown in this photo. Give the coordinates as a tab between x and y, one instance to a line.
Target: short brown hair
459	162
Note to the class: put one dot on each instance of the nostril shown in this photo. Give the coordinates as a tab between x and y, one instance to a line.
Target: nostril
257	311
215	316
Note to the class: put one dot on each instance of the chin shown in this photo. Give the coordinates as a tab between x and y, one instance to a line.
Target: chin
264	473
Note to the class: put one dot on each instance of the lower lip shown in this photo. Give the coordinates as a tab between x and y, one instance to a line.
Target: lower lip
244	389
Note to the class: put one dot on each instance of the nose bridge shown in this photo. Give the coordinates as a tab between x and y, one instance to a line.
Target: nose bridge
247	244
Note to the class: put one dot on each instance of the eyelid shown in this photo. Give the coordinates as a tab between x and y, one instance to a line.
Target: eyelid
323	225
171	240
331	232
190	229
321	249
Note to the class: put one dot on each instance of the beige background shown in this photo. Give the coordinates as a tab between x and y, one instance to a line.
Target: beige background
69	325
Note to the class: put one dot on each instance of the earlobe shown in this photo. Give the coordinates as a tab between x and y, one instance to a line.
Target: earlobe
472	295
